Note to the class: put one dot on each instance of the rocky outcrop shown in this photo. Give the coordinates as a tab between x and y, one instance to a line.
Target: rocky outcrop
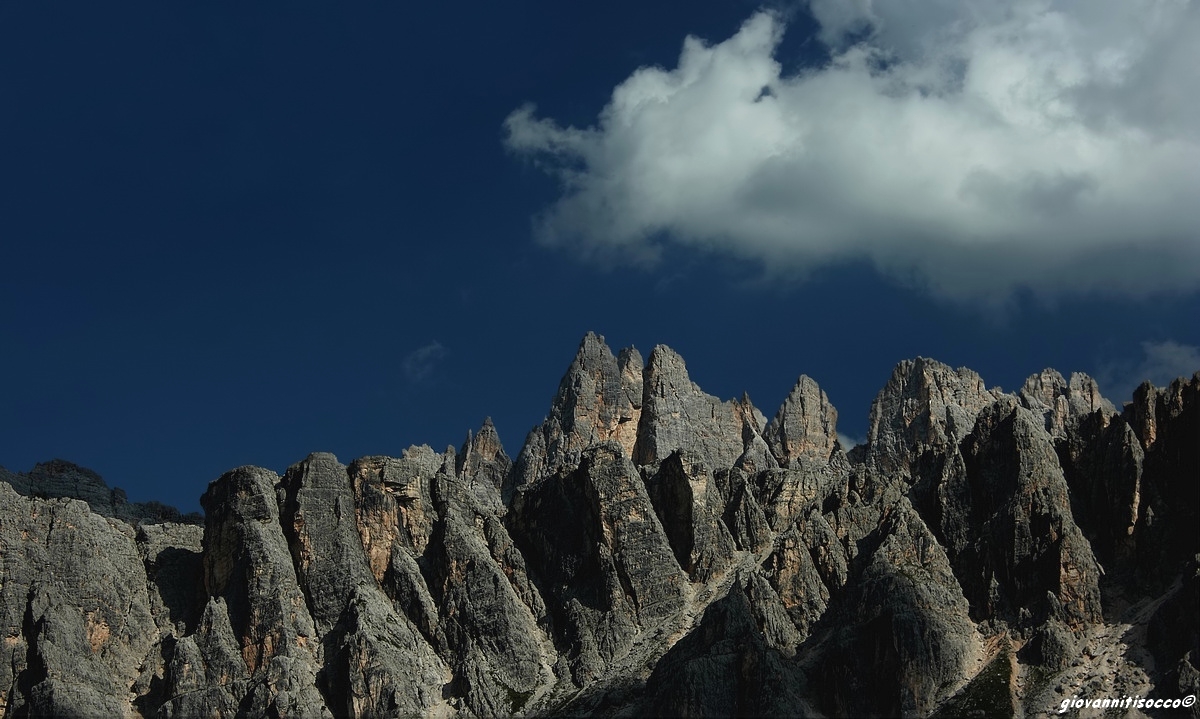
901	633
1029	548
1062	403
598	400
926	406
805	427
690	505
677	414
1167	531
604	560
58	478
75	605
653	550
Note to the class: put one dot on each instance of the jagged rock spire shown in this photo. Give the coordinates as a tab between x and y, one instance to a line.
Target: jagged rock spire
805	427
657	558
925	405
677	414
1063	403
598	399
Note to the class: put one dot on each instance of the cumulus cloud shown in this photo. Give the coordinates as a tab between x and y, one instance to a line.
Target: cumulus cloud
419	363
967	147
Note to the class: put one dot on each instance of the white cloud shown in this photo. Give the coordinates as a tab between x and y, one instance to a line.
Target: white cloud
419	363
969	147
849	443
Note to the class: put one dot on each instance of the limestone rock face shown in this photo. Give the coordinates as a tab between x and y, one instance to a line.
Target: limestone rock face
904	632
1167	421
484	464
76	611
262	612
925	406
726	667
1104	463
677	414
598	400
1063	403
652	550
499	655
604	559
380	660
805	428
689	503
1031	544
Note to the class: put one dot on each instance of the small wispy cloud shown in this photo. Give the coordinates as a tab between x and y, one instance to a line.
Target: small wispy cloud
419	364
848	443
1160	363
1165	361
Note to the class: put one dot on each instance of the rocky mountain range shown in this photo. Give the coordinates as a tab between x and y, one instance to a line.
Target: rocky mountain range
651	550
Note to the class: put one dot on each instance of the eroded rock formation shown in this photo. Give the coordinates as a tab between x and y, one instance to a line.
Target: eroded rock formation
652	550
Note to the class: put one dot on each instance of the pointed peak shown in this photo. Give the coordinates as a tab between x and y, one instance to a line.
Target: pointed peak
926	404
805	426
592	354
665	361
629	357
803	388
1048	377
484	445
592	342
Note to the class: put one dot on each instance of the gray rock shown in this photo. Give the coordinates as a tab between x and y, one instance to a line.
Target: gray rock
1103	462
378	665
1028	542
785	494
484	465
689	504
248	564
394	510
603	559
903	635
804	588
499	655
1167	534
677	414
1053	646
598	400
738	567
725	667
381	663
172	557
74	605
805	427
926	405
743	516
1063	403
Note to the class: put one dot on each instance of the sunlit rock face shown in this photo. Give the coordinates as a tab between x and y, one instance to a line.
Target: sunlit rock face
652	550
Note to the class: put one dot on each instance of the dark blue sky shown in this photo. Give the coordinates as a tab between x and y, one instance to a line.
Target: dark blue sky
238	236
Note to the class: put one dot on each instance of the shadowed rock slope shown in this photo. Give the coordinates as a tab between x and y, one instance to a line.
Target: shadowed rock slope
652	550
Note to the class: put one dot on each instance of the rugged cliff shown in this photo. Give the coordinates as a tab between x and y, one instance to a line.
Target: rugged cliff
652	550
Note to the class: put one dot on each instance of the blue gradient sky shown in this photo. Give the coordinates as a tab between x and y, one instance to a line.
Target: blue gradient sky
238	236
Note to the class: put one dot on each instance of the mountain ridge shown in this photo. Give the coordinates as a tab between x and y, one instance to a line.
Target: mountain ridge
650	549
